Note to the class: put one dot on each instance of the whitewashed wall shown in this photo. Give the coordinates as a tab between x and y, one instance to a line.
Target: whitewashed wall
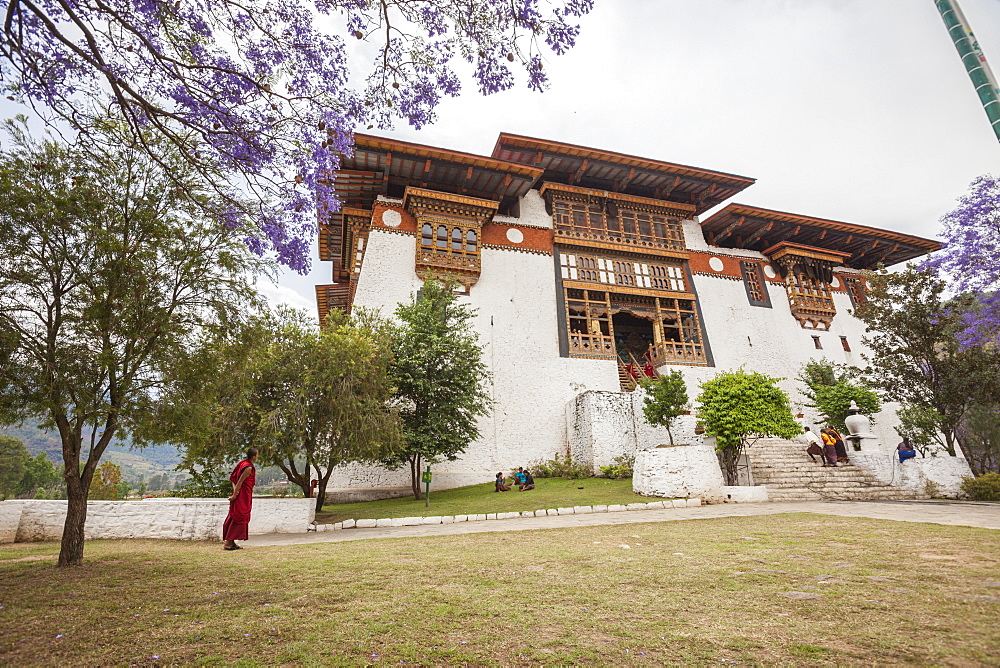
545	404
680	471
182	519
517	326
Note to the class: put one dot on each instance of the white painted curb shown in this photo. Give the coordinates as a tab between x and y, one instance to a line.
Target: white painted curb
449	519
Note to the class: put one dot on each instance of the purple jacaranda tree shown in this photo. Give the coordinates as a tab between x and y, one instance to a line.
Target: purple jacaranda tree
270	88
970	258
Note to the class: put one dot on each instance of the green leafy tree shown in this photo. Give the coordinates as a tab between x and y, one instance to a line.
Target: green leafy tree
14	459
979	436
105	484
39	474
109	266
666	399
916	357
737	408
440	376
831	388
309	398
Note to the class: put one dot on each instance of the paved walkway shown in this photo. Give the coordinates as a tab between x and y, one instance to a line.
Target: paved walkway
955	513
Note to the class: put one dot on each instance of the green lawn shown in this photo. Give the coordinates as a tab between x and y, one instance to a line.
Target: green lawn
791	590
479	499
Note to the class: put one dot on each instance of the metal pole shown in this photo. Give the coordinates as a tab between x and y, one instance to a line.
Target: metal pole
974	59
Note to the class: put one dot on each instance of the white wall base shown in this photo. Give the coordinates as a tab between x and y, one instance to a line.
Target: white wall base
179	519
10	518
678	471
744	494
944	473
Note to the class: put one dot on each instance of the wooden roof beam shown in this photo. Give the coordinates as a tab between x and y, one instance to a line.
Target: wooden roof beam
728	230
624	182
385	173
580	171
760	231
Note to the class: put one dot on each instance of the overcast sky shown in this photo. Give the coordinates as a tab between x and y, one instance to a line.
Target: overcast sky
855	110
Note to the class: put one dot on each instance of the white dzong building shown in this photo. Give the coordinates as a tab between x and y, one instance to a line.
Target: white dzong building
584	266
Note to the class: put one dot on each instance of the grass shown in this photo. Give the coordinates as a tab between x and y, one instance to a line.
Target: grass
480	499
794	589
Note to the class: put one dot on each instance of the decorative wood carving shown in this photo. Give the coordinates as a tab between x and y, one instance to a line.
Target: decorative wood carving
808	273
449	231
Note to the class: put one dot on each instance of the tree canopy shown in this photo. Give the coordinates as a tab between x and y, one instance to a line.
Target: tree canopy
970	260
738	407
107	270
309	398
666	399
14	460
917	357
832	387
440	378
270	92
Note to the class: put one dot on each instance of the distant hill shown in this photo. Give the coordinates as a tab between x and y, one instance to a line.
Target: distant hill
145	462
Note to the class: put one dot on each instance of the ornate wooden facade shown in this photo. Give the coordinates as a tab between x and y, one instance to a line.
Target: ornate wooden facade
451	227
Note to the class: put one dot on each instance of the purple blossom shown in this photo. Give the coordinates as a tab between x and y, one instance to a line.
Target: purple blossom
970	260
260	94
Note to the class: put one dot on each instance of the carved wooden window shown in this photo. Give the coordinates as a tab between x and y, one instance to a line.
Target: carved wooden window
674	325
682	340
855	290
588	319
615	222
753	281
810	300
451	239
658	276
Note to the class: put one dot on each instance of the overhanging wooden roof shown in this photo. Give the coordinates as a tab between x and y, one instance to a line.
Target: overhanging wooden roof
383	166
754	228
618	172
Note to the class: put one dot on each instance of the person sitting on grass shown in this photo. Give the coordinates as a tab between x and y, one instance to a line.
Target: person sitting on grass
499	484
519	477
529	482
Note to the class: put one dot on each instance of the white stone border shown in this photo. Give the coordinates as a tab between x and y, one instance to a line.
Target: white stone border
551	512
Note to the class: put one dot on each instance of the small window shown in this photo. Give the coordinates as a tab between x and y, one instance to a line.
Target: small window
427	235
817	344
456	239
845	344
442	237
470	241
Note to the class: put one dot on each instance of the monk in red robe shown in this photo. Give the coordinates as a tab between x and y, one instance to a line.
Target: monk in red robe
237	522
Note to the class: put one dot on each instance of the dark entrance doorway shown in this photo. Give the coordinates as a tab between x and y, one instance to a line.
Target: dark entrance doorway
633	336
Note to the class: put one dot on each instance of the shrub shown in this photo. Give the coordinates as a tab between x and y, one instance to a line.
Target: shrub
559	467
620	469
984	488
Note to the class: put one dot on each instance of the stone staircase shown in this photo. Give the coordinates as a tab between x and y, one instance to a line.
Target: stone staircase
790	475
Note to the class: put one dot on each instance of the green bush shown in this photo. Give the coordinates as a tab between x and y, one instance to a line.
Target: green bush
559	467
620	469
984	488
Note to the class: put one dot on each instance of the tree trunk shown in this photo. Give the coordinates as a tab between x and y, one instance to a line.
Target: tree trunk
730	457
71	550
324	480
415	477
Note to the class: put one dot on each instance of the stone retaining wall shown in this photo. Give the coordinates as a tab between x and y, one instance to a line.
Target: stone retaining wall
183	519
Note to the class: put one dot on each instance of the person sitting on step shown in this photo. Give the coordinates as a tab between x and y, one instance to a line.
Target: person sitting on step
905	450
